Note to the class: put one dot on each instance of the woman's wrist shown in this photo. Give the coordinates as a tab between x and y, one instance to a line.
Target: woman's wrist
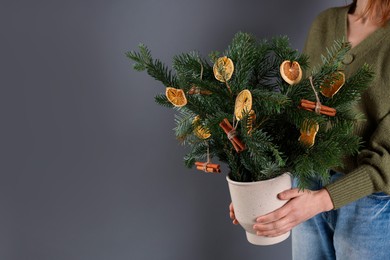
325	200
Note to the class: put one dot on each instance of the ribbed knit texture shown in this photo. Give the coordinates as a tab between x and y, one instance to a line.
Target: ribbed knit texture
369	172
356	183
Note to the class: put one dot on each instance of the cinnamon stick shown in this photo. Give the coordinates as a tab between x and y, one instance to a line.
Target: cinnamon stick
235	138
322	112
196	90
311	106
208	169
209	165
227	128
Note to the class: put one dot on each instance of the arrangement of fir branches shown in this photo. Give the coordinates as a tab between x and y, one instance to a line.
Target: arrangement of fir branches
272	138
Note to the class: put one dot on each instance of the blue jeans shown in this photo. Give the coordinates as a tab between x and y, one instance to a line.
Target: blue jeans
357	231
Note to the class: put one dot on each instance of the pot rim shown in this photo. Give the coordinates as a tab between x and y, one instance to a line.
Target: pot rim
238	183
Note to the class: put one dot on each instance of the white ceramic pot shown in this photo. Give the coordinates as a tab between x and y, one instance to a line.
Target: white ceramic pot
254	199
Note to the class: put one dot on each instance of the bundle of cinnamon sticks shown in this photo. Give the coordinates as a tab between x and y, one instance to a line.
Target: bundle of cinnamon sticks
208	167
311	106
196	90
238	145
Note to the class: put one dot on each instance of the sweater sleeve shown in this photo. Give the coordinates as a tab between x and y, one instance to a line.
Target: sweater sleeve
372	174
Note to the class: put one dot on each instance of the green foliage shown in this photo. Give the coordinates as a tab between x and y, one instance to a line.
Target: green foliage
184	126
272	145
154	68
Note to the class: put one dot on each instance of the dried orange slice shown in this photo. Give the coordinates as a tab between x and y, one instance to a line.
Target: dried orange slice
243	103
291	72
309	131
333	85
223	69
199	130
176	96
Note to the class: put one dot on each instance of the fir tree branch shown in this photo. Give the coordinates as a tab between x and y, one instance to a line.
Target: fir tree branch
184	125
272	145
163	101
155	68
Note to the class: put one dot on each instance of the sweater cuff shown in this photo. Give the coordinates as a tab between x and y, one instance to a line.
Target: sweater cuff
353	186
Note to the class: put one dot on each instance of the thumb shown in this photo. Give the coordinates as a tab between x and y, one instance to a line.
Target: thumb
289	194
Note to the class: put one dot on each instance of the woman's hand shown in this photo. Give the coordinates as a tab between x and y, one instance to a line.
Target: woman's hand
232	216
303	205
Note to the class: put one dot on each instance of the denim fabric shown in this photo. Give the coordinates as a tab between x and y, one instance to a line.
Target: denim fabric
357	231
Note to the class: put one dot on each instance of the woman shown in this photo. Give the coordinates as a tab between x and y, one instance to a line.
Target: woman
349	218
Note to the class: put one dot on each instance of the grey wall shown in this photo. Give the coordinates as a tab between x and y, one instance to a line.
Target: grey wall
90	168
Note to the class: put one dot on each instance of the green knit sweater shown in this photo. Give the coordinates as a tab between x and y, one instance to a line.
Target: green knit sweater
369	171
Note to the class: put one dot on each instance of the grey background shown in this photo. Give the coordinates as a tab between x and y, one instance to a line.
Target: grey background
90	168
